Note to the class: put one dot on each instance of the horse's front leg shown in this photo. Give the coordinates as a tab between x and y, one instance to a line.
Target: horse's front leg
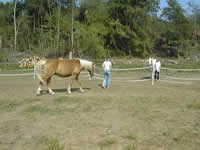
39	88
70	85
49	87
79	84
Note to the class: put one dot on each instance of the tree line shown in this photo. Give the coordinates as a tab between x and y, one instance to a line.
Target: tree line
98	28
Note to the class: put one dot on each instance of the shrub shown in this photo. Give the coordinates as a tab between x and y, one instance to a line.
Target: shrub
1	58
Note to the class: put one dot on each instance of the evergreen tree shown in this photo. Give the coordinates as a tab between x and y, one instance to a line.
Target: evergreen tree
177	29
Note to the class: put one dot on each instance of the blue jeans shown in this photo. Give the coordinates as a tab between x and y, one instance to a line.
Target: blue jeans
106	81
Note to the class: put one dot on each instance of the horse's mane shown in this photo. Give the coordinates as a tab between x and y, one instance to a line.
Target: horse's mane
86	63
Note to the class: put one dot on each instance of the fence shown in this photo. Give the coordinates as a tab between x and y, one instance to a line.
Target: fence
165	78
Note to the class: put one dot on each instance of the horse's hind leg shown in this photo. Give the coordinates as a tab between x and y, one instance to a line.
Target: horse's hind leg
70	83
79	84
49	87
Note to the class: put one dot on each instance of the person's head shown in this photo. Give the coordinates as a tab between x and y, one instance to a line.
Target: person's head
107	58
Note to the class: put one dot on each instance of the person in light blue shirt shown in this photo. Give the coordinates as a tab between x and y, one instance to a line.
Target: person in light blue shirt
107	65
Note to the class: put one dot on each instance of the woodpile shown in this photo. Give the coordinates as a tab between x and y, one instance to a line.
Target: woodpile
28	62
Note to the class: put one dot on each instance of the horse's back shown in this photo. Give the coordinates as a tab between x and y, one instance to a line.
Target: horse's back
63	67
51	66
68	65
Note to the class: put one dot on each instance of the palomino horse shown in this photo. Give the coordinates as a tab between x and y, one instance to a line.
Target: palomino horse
62	68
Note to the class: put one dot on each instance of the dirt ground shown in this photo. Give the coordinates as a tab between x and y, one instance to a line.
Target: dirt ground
128	116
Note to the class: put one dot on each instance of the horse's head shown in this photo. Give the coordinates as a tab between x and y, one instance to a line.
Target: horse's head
89	66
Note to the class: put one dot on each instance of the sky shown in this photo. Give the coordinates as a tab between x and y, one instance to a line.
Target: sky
184	4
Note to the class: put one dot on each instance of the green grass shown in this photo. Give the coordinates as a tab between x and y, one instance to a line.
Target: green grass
7	105
183	66
53	144
70	100
194	106
44	110
80	104
31	100
61	100
9	66
13	68
108	142
37	109
11	105
58	106
130	137
121	66
70	104
130	147
50	143
137	108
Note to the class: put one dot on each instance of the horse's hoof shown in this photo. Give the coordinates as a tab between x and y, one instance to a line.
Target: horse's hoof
82	90
69	91
38	93
52	93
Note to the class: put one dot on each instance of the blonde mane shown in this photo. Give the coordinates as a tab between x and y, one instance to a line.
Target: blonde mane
86	64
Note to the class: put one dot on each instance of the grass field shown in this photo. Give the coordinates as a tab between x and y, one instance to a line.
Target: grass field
128	116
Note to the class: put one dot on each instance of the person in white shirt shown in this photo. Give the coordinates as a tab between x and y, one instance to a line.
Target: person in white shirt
150	61
157	70
107	65
153	68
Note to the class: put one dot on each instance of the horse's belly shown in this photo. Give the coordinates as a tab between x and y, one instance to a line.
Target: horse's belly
62	74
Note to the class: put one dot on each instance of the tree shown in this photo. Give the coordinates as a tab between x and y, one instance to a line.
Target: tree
174	13
195	21
129	19
177	28
95	28
15	25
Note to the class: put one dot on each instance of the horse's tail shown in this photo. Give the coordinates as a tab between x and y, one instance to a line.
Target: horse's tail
39	67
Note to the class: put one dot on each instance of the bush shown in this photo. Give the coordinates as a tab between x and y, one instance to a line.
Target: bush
1	58
9	66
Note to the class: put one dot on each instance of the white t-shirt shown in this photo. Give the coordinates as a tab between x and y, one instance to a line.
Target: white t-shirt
150	61
154	64
158	66
107	65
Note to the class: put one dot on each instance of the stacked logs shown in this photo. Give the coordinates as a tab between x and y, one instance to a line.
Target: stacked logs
28	62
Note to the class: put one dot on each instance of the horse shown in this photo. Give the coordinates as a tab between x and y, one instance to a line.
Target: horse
62	68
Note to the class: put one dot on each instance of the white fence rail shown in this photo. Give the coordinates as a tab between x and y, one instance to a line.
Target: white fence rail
100	76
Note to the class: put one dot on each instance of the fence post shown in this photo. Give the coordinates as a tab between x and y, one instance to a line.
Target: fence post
34	74
70	55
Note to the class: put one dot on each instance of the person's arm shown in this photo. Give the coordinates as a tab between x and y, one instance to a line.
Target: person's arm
102	65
